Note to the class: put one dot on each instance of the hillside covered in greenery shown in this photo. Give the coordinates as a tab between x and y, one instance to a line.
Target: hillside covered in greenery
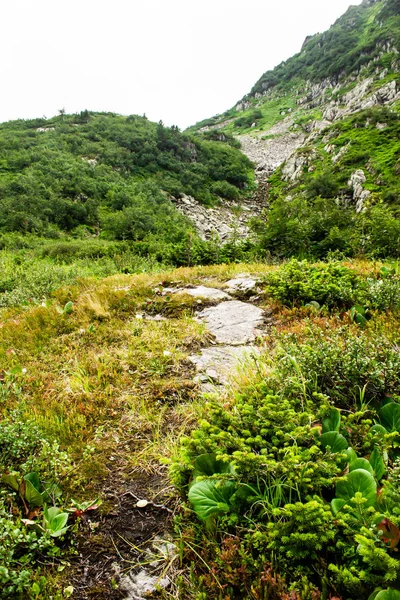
331	113
110	174
133	465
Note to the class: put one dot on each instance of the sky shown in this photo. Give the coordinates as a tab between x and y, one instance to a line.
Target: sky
179	61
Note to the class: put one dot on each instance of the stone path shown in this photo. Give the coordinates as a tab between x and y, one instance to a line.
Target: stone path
233	322
235	325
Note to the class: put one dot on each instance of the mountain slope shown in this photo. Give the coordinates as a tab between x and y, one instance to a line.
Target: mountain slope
113	175
323	129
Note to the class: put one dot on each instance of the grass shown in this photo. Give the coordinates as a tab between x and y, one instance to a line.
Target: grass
114	387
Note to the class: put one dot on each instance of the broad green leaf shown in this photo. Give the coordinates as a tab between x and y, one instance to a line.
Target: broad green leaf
351	454
359	309
207	464
361	463
360	320
379	429
211	497
32	486
389	416
334	440
32	495
377	464
313	304
59	522
357	481
16	371
59	532
331	423
34	479
388	594
337	505
387	400
68	308
11	480
51	513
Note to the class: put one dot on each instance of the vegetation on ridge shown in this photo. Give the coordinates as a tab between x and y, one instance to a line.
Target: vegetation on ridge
110	174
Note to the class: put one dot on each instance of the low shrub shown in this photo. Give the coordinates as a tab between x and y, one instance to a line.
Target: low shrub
298	282
301	469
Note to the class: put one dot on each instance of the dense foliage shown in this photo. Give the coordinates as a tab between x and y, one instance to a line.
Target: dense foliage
295	479
110	174
360	34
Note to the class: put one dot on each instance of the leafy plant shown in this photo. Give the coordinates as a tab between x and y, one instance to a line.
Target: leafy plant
358	314
389	417
31	491
334	440
211	497
68	308
80	508
388	594
298	282
360	482
54	521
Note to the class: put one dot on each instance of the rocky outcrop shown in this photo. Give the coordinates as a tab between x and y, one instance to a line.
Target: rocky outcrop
356	182
293	168
227	221
268	152
361	97
233	322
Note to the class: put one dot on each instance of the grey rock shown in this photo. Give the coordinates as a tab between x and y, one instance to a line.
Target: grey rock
207	293
218	363
359	194
293	168
241	284
138	586
233	322
341	153
226	221
270	153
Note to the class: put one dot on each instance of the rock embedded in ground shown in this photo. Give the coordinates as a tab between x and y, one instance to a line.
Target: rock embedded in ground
207	293
242	284
138	586
233	322
217	363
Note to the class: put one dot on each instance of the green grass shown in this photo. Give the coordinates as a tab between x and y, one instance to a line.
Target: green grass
102	381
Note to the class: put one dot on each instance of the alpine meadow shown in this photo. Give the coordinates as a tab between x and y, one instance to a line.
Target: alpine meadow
200	340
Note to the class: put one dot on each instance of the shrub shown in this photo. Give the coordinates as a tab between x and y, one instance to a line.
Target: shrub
298	282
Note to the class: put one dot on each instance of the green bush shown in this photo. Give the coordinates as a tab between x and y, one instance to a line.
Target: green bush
270	467
24	452
299	282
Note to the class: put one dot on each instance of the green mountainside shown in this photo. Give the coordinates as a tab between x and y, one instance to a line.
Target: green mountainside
228	429
110	174
323	128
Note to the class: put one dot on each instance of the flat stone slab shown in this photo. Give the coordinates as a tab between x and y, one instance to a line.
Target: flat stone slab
208	293
242	284
216	364
235	323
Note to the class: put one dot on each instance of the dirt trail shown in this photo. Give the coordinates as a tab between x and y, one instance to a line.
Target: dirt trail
127	553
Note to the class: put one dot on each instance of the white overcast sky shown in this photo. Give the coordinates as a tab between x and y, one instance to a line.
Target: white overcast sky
176	60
